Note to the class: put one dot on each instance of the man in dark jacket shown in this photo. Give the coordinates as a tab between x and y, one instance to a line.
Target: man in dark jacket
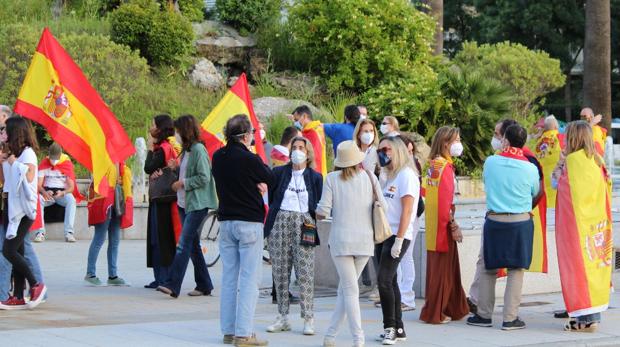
240	178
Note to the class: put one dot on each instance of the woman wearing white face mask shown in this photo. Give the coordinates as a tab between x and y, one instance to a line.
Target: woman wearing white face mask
365	136
389	126
292	202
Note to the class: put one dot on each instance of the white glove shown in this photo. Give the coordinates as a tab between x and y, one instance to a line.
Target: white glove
398	244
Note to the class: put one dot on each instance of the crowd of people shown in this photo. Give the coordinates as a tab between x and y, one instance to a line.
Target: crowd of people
279	201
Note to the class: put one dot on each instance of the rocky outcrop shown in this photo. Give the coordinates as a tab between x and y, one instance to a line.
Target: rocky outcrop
268	107
206	76
222	44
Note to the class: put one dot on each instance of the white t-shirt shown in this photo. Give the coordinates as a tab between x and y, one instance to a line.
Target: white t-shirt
405	183
53	179
29	157
182	171
296	196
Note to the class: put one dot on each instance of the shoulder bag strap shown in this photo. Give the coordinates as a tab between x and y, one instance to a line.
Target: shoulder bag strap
372	184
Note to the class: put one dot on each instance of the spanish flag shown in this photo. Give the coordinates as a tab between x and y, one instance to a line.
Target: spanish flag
583	235
539	217
314	132
438	187
599	134
57	95
547	151
236	101
65	166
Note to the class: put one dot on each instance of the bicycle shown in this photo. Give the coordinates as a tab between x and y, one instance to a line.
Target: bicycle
209	240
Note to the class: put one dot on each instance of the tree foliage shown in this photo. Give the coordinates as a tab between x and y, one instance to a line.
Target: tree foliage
247	16
529	74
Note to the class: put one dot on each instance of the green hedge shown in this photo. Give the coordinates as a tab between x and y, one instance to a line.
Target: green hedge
248	15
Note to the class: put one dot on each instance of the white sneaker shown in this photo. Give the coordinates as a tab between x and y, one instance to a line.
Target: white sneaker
374	295
389	336
309	326
329	341
39	238
70	238
281	324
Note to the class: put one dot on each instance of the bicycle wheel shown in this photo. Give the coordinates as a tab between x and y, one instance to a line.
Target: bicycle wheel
209	239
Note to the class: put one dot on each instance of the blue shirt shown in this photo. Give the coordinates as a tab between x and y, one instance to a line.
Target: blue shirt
339	132
509	184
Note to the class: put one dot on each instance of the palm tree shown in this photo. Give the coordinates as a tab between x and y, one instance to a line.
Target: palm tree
597	59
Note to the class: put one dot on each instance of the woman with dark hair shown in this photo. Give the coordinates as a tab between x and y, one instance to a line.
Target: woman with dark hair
164	223
19	175
195	196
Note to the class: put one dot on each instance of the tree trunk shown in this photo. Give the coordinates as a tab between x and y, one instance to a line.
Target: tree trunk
568	98
597	60
437	13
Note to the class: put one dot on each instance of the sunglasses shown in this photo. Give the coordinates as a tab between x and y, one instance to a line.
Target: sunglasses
385	123
382	150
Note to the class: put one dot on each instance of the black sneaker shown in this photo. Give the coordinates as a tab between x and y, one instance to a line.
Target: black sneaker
389	336
479	321
400	335
560	314
514	325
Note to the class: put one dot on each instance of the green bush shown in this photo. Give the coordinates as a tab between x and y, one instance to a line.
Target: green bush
358	45
248	15
170	39
529	74
162	37
194	10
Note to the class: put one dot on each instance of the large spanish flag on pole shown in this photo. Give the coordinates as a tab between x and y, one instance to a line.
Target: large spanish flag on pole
236	101
438	187
57	95
583	235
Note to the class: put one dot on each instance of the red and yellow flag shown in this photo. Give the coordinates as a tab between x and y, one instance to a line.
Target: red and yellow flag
65	166
236	101
599	135
438	188
547	151
583	235
314	132
57	95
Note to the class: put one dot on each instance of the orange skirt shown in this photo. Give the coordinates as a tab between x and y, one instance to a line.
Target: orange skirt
445	296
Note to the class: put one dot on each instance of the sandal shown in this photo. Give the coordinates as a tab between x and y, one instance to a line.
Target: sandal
575	326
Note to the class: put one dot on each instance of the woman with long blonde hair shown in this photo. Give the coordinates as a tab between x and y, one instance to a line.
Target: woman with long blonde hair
445	297
401	190
583	218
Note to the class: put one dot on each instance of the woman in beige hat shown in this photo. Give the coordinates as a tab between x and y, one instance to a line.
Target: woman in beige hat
348	198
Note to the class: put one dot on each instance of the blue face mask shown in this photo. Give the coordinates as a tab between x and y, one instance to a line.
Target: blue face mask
298	125
384	160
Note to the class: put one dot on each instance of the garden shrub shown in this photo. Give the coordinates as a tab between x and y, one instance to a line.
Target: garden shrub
193	10
528	73
248	15
162	37
357	45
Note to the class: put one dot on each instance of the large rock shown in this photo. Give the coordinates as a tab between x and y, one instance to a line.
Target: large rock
205	75
270	106
222	44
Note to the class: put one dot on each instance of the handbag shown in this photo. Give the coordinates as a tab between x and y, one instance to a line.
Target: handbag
380	225
119	200
160	188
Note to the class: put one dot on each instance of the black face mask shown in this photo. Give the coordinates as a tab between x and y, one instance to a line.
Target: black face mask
384	160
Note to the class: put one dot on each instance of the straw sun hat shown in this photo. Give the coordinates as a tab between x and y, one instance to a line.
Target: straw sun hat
348	155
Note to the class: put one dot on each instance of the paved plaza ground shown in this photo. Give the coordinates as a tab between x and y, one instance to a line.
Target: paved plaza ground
77	315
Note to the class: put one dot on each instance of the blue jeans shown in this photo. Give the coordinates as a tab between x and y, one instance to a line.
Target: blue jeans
5	266
70	205
112	227
189	247
241	250
590	318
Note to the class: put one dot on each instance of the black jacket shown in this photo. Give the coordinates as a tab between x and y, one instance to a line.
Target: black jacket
237	171
314	186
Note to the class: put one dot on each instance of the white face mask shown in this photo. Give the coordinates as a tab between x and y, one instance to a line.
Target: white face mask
298	157
363	116
54	162
456	149
367	138
496	144
263	134
384	129
178	139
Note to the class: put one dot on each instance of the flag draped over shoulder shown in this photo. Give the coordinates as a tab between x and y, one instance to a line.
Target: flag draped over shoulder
539	217
65	166
547	151
438	188
236	101
584	235
314	132
57	95
599	135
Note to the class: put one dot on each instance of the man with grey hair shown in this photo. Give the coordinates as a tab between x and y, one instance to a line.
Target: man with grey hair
551	123
5	112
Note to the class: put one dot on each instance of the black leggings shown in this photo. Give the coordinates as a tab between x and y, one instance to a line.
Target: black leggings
13	251
388	283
